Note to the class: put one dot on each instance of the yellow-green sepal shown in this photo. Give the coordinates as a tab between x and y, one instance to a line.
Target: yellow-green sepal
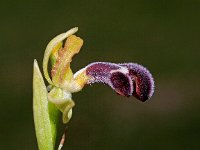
45	113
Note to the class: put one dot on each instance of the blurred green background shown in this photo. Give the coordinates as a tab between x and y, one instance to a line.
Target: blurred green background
163	35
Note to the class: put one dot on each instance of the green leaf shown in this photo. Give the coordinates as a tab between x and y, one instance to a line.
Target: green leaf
45	113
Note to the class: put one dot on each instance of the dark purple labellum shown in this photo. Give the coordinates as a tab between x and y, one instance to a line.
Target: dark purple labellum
143	80
128	79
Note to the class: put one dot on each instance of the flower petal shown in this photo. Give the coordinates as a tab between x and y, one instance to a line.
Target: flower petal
61	71
128	79
51	46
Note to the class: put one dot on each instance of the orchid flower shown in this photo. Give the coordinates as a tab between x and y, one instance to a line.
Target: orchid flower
126	79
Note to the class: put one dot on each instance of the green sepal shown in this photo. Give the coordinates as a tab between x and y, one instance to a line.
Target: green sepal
45	113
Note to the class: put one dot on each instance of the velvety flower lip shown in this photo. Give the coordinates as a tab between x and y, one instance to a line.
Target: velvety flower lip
127	79
144	82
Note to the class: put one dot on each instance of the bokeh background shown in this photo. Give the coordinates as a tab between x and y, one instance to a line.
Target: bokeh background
163	35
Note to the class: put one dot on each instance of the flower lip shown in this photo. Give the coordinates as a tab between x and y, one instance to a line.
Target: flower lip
127	79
